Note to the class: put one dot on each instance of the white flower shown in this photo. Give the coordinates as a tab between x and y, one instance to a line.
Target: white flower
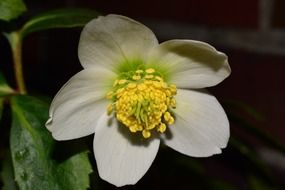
134	92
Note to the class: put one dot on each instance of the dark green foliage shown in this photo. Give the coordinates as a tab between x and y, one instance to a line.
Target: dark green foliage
31	149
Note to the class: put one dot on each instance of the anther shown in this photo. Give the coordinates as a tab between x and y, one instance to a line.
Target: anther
139	71
109	95
148	76
146	134
122	81
150	71
115	83
136	77
109	109
161	128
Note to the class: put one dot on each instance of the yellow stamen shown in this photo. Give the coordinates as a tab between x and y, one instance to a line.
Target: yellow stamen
170	120
139	71
142	86
173	89
161	128
122	81
115	83
109	109
150	71
173	103
136	77
142	102
148	76
146	134
158	78
132	85
109	95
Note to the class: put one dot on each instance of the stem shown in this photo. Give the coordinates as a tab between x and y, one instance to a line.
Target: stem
16	47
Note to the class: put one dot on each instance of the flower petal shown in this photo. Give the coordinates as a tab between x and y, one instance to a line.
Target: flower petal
122	157
109	40
192	64
201	127
78	105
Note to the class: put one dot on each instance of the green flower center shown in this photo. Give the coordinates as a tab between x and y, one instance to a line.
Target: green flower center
142	101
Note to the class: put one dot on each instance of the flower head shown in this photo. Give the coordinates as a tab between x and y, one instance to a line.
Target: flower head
134	92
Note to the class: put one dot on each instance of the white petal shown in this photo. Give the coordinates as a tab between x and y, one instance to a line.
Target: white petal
201	126
191	64
109	40
122	157
78	105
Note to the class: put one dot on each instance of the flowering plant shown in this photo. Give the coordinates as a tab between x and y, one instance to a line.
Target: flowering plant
131	84
132	97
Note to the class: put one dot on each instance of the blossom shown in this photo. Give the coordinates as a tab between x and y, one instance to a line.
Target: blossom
135	93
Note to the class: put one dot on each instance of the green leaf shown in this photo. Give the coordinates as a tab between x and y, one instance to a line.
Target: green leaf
5	89
7	174
10	9
31	149
62	18
74	172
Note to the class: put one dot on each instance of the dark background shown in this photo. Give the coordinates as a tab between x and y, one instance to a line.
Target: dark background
251	33
50	57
